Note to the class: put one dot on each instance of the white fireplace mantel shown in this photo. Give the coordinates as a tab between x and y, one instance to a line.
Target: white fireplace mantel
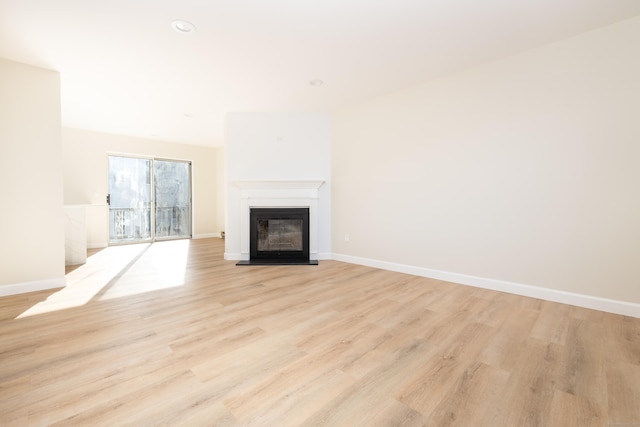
278	185
285	194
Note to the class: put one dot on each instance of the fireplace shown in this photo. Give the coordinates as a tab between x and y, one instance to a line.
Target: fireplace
278	236
270	194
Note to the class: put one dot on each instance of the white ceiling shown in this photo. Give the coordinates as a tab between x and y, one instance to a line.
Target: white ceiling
124	70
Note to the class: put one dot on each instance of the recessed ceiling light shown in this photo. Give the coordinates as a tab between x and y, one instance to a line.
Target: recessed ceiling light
183	27
316	82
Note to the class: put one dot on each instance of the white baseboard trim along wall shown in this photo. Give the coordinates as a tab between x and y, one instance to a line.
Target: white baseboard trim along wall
579	300
97	245
206	236
38	285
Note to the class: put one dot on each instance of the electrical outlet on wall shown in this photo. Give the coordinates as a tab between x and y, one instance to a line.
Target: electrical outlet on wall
346	237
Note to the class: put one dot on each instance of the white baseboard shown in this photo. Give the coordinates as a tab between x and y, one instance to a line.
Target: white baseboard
579	300
206	235
231	256
38	285
97	245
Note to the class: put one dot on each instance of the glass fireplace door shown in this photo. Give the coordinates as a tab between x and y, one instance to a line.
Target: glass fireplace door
281	235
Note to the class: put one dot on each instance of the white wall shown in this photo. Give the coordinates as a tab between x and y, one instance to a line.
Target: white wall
31	217
85	177
525	170
274	147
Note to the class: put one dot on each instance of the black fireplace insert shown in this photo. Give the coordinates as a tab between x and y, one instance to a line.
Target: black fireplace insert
278	236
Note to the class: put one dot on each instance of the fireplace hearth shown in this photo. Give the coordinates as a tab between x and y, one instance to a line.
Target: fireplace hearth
279	236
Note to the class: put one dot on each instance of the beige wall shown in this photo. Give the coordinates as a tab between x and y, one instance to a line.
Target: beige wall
31	217
85	177
524	170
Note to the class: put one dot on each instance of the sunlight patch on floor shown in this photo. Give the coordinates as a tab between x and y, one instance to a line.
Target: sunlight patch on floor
162	266
119	271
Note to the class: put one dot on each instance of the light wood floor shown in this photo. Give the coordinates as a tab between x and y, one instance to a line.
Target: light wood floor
170	334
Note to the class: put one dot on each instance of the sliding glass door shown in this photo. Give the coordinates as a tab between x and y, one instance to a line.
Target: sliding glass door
129	199
135	186
172	184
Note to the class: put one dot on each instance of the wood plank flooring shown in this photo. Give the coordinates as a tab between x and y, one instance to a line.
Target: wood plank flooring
171	334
